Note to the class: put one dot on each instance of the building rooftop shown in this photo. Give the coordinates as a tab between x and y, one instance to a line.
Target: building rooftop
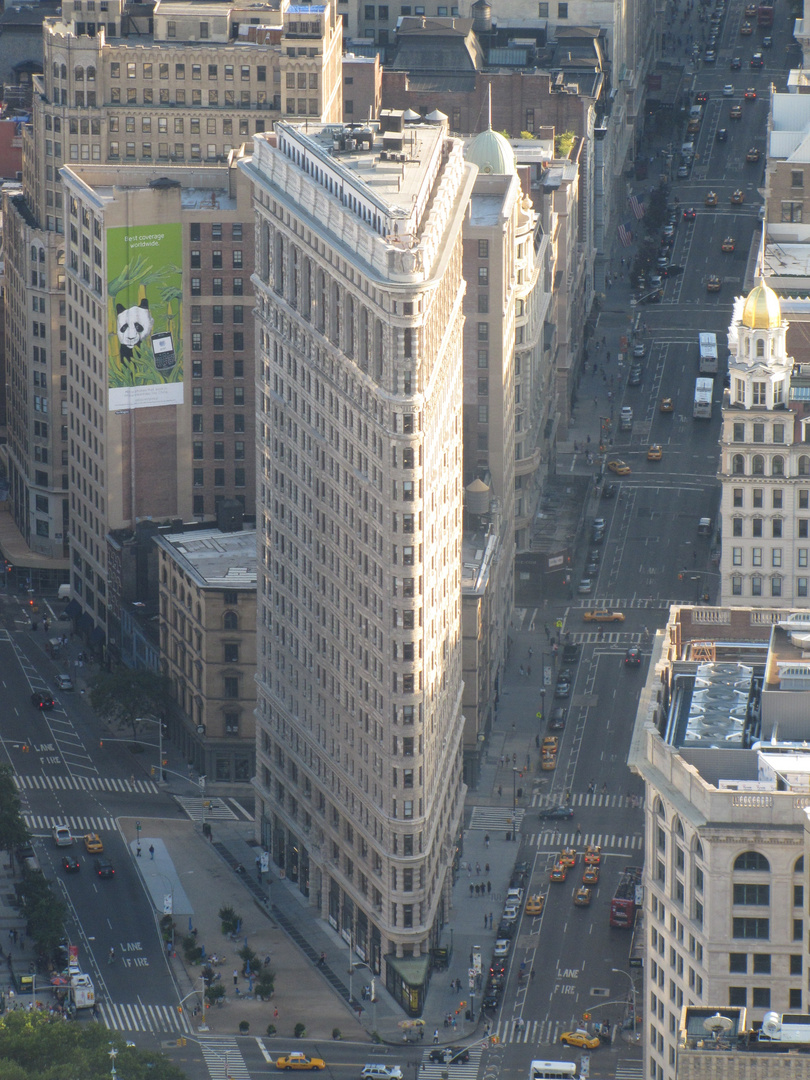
215	559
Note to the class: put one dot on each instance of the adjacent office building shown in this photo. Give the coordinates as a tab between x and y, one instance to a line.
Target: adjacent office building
359	293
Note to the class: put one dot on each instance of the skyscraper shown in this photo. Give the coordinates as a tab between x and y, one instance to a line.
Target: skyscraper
359	431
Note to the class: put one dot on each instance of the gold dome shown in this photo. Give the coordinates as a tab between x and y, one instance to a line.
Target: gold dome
762	310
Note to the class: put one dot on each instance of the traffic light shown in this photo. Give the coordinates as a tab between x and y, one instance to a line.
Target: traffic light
100	743
680	577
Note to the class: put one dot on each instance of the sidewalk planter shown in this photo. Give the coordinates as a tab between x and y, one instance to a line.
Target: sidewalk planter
229	919
300	1031
244	1027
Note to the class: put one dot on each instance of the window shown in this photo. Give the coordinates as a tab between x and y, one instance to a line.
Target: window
738	963
776	525
777	498
757	929
796	178
562	11
483	249
738	432
795	964
738	465
762	997
759	432
760	388
752	860
751	894
756	527
738	996
736	556
738	497
737	526
542	11
230	652
736	585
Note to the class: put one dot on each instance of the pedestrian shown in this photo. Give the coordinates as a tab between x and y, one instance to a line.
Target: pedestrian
548	632
478	868
138	851
490	914
472	888
530	654
537	742
486	870
151	851
529	670
275	1013
500	791
521	670
235	976
489	887
579	830
485	920
436	1037
486	839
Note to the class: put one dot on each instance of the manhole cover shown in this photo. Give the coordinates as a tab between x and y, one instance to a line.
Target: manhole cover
600	991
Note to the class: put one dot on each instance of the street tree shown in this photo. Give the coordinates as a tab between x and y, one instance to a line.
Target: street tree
37	1046
124	695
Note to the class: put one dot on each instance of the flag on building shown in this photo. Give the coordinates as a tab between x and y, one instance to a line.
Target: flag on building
625	235
637	207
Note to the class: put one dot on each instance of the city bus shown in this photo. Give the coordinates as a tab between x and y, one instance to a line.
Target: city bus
702	408
553	1070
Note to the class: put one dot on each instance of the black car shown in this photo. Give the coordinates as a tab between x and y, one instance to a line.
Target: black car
592	569
104	868
522	869
41	699
609	491
632	658
557	812
506	929
437	1054
598	537
722	135
457	1055
70	865
490	1001
557	721
571	650
756	60
736	63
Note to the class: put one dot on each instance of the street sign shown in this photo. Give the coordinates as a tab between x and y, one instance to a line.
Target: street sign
546	675
265	862
168	903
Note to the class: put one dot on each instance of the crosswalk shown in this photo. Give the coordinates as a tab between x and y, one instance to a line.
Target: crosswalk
531	1032
84	783
593	799
158	1019
629	1070
434	1070
78	825
224	1058
215	809
555	838
535	618
495	817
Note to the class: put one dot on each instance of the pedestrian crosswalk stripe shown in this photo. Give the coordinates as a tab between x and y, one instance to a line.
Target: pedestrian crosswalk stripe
629	1070
78	825
224	1059
534	1032
555	838
588	799
435	1070
495	817
154	1018
84	783
215	809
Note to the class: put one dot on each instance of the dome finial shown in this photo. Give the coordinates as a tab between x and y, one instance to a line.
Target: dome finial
762	310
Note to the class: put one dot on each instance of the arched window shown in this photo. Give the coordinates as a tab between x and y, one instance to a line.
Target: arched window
659	808
778	466
804	465
56	71
91	74
230	620
63	71
752	860
738	465
678	828
33	253
697	848
758	465
760	347
78	74
798	866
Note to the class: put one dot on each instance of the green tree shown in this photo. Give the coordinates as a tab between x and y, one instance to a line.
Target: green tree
39	1047
123	696
13	830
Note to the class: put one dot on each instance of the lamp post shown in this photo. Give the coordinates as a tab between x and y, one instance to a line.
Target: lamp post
202	803
621	971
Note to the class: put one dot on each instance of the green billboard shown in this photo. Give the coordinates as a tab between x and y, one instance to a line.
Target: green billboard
144	316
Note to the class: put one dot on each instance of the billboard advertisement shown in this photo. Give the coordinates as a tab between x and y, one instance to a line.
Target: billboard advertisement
144	316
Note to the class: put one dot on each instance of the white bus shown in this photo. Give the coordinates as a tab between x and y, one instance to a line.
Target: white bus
553	1070
703	399
708	354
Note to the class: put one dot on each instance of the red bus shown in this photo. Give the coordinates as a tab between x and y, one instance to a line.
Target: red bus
626	898
765	15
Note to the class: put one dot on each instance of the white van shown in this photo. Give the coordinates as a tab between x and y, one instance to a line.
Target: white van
64	592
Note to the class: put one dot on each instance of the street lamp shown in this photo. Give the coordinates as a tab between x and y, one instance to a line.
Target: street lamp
152	720
621	971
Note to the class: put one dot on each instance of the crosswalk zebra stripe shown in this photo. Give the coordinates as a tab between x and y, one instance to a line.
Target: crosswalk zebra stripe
84	783
495	817
136	1017
554	838
629	1070
78	825
434	1070
587	799
224	1059
215	810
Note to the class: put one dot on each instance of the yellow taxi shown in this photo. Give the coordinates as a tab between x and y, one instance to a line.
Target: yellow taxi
593	855
549	744
558	872
93	844
655	453
667	405
579	1038
590	875
568	856
582	896
711	199
737	198
713	283
296	1060
603	615
534	905
728	244
621	468
549	762
753	155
